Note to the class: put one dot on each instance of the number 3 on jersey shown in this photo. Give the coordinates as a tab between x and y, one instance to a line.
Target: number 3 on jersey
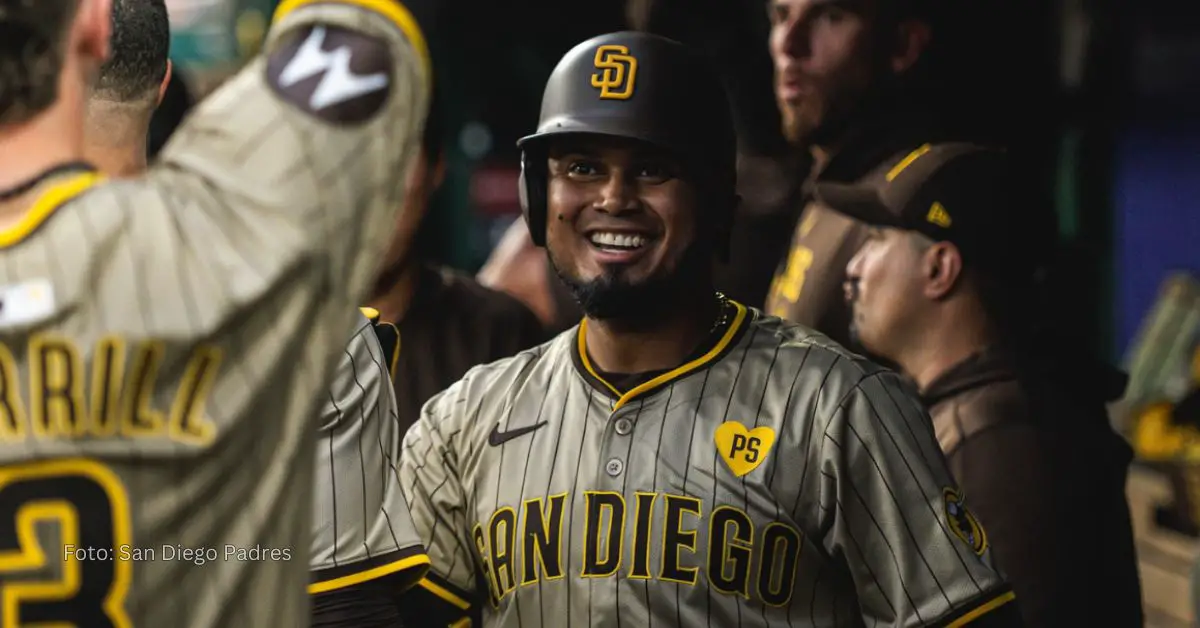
45	508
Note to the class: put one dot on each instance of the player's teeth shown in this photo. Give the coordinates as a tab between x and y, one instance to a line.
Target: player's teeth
623	240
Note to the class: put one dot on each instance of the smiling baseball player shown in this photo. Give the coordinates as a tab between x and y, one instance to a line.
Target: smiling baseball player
678	459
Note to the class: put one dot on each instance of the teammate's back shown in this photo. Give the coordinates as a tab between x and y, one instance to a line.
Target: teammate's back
156	403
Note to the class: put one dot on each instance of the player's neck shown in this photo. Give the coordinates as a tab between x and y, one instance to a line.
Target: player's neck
945	344
52	138
116	137
119	161
617	348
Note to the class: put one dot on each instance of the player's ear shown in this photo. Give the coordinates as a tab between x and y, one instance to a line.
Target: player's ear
162	87
94	21
942	264
912	38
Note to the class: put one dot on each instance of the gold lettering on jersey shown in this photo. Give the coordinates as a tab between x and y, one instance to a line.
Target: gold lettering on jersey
736	560
676	538
485	557
139	418
502	536
743	449
790	283
604	530
188	422
56	395
117	397
12	423
730	550
777	572
108	381
643	513
542	533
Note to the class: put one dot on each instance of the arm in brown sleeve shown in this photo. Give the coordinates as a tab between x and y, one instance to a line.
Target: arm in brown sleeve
1008	478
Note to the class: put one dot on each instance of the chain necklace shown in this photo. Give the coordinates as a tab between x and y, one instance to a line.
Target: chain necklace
722	312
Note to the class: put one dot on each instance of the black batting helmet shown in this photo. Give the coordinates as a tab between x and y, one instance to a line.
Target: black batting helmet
642	87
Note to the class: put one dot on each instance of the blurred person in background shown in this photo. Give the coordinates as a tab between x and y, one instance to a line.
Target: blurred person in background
848	81
770	172
445	321
521	270
942	288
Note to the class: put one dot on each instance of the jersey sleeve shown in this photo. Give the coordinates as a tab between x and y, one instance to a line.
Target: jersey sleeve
429	472
362	529
916	554
291	173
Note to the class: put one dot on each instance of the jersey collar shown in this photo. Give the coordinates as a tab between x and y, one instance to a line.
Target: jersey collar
726	342
56	195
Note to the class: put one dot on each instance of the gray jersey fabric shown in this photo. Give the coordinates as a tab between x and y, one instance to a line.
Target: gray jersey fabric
776	481
361	526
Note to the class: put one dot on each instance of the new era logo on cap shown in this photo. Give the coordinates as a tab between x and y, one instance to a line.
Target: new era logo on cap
961	193
939	216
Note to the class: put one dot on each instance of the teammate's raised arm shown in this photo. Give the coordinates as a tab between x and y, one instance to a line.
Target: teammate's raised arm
169	338
915	552
365	552
428	472
300	158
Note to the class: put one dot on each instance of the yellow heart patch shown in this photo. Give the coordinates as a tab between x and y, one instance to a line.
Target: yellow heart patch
742	449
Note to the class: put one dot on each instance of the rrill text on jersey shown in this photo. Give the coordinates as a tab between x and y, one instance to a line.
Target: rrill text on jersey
116	397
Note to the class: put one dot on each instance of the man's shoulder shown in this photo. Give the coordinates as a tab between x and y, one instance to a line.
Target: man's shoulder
805	355
484	385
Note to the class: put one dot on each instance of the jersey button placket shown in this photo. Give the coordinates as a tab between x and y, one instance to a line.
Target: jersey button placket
614	467
621	427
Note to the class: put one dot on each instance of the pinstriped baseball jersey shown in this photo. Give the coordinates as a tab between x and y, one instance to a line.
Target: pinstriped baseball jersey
776	480
167	342
361	526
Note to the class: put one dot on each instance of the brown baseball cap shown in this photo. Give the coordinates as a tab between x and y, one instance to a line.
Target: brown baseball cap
961	193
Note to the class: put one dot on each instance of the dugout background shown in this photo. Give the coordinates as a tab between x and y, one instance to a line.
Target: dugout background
1098	97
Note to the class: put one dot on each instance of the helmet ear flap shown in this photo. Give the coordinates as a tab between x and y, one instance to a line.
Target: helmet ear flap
531	188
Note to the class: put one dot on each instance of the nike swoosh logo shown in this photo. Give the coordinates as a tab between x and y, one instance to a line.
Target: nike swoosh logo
339	83
497	438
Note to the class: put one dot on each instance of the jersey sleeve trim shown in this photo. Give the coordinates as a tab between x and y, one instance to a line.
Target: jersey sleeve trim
391	9
47	203
412	561
445	591
394	358
971	613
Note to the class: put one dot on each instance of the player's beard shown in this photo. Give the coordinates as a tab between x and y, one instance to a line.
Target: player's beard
825	114
611	297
